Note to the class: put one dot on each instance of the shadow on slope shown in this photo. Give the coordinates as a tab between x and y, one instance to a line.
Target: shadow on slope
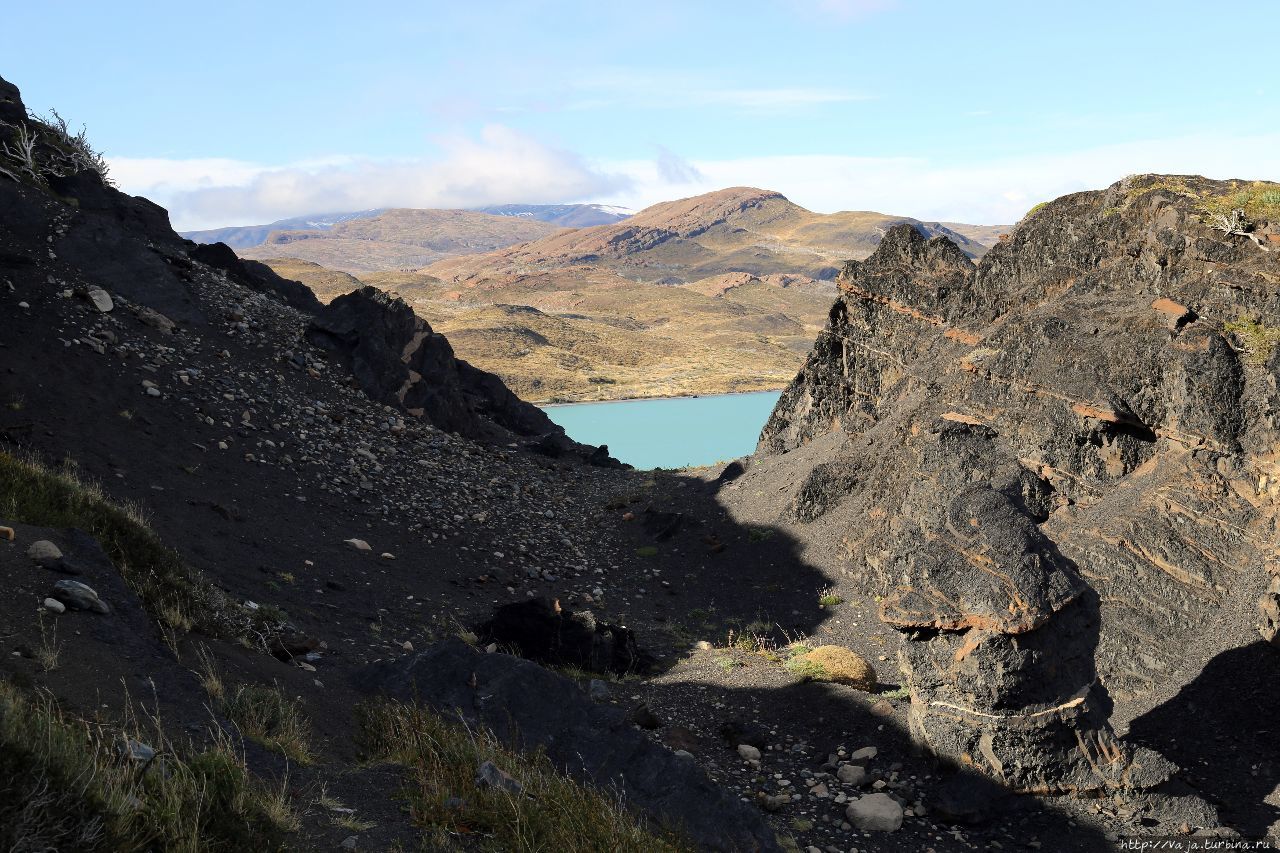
1223	729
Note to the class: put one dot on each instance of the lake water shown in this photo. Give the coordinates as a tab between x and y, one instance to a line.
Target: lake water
670	433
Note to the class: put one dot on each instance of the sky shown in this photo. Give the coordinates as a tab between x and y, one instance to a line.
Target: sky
241	113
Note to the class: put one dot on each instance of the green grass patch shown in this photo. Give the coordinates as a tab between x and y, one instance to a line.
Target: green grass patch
727	663
647	551
549	812
171	591
266	715
1260	200
896	693
759	534
806	669
67	784
1257	341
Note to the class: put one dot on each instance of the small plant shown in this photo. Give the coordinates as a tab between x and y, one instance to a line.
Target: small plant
126	414
828	598
896	693
1257	341
759	534
727	663
647	551
353	823
263	714
17	403
277	805
806	669
50	650
209	677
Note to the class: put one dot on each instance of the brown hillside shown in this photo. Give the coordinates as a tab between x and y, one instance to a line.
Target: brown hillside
402	238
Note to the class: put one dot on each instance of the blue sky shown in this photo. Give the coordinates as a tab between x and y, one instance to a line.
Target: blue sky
247	112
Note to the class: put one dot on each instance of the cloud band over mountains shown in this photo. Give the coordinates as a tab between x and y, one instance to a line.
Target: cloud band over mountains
503	165
500	166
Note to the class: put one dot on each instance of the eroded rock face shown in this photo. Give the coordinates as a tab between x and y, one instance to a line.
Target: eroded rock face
1057	467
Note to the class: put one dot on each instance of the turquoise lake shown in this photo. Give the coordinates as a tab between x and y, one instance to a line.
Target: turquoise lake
670	433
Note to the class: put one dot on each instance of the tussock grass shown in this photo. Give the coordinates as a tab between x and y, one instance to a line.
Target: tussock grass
173	593
550	812
49	652
834	664
1257	341
66	784
266	715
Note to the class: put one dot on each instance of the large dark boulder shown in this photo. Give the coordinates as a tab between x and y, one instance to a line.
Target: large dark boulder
540	630
530	707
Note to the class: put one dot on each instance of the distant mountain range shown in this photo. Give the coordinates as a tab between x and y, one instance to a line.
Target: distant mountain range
562	215
244	236
720	292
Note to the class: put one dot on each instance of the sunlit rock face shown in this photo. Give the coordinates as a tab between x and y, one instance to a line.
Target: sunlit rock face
1057	467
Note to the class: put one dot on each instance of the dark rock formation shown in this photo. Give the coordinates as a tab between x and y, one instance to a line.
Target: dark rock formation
539	630
400	361
526	705
1057	467
256	276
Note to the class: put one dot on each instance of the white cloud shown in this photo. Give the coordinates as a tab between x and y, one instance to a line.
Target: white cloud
505	166
674	169
502	165
990	191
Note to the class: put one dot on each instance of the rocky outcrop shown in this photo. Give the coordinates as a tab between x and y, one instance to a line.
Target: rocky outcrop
541	631
398	360
531	707
1057	467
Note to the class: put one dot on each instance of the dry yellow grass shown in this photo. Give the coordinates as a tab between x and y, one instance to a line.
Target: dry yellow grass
836	664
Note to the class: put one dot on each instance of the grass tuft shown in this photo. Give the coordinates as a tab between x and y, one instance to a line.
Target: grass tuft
550	812
267	716
50	650
65	784
172	592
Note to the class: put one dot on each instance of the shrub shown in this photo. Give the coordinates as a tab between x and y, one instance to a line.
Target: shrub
549	812
44	146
